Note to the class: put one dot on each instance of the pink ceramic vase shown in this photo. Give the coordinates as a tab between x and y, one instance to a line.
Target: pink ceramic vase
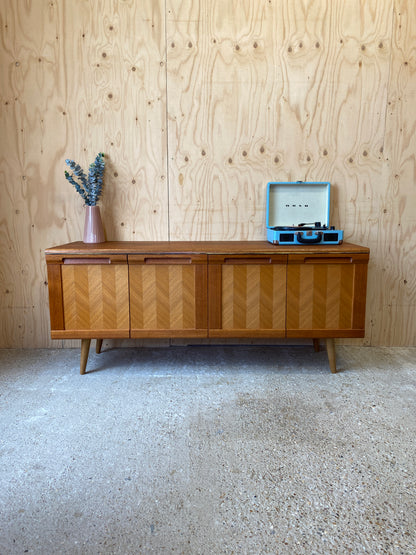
93	229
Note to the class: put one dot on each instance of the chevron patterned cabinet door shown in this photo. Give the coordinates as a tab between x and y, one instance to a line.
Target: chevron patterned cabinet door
247	295
326	295
95	298
88	296
168	296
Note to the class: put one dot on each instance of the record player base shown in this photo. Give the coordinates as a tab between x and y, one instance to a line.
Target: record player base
206	290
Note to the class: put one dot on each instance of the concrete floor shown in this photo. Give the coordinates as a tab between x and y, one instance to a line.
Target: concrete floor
208	450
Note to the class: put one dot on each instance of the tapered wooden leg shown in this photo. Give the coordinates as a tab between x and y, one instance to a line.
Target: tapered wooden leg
316	345
98	345
330	348
85	349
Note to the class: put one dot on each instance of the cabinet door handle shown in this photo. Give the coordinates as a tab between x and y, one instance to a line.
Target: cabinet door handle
261	260
328	260
80	261
167	260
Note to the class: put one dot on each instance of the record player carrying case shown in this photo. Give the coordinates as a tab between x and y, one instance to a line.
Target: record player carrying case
298	213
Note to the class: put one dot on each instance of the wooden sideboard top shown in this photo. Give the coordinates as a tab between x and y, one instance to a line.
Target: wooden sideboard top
199	247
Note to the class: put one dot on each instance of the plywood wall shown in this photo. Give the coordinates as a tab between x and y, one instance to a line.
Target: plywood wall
393	296
197	105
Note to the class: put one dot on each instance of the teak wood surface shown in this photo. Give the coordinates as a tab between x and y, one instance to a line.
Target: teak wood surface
168	295
206	289
247	295
79	249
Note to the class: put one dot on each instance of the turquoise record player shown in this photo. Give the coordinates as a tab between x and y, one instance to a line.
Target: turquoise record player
298	214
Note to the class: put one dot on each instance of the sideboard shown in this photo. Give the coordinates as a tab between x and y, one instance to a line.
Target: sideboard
211	289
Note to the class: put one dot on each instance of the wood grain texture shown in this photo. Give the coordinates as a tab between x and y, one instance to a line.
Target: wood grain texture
246	299
56	302
196	116
76	78
96	297
277	90
138	251
393	276
326	299
168	299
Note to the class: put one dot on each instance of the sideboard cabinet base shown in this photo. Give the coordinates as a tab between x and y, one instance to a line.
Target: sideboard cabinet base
206	289
85	347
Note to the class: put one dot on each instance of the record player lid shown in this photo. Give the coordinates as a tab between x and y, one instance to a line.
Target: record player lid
291	203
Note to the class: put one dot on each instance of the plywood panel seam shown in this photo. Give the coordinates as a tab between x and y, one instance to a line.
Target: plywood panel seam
167	168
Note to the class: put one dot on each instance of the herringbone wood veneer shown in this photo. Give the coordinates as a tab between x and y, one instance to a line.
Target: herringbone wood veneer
95	297
323	298
252	298
169	299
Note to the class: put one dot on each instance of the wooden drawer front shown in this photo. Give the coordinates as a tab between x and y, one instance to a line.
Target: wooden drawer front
247	298
168	297
96	297
326	299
